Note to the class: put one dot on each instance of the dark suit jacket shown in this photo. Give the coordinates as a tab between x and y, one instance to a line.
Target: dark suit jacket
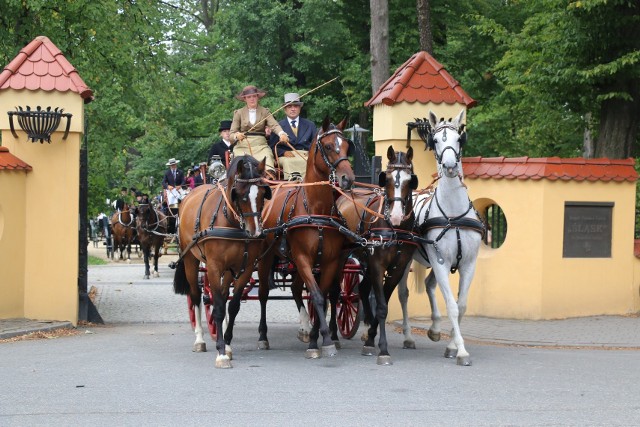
306	133
220	149
168	179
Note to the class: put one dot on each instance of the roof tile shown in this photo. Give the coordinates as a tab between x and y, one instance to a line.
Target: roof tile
10	162
41	58
551	168
421	79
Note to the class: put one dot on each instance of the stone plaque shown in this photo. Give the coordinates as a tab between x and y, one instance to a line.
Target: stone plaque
587	230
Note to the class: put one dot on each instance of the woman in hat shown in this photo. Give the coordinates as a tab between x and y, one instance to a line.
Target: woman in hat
248	127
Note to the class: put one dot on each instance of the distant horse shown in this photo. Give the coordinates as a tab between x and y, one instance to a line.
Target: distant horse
122	229
306	227
451	234
221	226
391	244
152	229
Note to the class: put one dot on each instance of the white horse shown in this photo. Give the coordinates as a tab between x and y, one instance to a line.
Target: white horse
451	234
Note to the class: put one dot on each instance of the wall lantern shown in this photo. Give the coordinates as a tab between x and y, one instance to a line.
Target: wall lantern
423	127
39	124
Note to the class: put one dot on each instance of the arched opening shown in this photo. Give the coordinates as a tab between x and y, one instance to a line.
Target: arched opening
495	222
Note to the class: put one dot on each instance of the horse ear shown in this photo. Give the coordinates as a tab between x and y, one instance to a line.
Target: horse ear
382	179
325	123
413	184
342	124
391	155
410	154
433	120
262	165
458	119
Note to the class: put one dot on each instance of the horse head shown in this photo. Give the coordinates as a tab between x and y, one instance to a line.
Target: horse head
446	139
247	192
330	155
398	182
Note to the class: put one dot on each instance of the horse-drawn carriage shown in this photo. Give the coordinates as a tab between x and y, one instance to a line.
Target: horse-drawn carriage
303	236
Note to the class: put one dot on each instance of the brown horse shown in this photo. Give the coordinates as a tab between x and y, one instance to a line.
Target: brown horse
221	226
307	230
122	230
152	228
390	241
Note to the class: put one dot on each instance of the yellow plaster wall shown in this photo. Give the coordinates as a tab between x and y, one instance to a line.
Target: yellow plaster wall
12	243
52	207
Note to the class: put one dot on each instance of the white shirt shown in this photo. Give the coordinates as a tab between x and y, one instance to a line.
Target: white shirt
252	116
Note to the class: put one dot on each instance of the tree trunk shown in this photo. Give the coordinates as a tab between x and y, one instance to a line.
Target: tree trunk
587	141
379	43
619	120
424	26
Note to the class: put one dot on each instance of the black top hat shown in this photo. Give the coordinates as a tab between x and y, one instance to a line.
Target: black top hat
224	125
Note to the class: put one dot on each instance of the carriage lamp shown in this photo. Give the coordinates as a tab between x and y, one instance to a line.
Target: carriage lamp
39	124
361	162
217	169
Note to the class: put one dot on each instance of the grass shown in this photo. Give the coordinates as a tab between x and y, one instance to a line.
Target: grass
93	260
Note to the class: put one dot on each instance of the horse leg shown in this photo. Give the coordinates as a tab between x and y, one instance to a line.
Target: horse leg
403	297
128	245
156	255
455	347
334	294
374	278
365	292
318	293
434	331
303	316
220	290
190	265
147	253
264	270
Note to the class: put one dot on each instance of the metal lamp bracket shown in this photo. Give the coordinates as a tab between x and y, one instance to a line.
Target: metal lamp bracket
39	124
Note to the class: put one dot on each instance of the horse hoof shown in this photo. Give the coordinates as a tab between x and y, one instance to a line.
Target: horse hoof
223	362
337	344
463	361
384	360
156	274
368	350
312	353
128	261
433	336
364	337
409	344
146	277
303	336
200	347
450	353
263	345
329	350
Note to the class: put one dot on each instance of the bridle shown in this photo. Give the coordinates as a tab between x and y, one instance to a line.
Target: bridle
332	166
443	126
241	217
404	201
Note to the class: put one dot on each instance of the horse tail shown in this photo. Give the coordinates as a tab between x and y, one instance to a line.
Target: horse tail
180	283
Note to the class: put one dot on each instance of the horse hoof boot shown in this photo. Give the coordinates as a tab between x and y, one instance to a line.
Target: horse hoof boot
223	362
384	360
228	351
368	350
337	344
433	336
329	350
450	353
200	347
156	274
312	353
303	336
263	345
463	361
409	344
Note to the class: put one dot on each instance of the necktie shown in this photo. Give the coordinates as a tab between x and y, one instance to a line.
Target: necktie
174	177
294	127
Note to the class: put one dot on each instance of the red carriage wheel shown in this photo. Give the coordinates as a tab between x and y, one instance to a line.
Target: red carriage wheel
348	308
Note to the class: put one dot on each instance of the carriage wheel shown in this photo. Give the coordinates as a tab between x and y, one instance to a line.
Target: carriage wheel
348	308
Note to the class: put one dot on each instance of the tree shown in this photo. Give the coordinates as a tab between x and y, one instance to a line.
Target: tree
424	25
379	43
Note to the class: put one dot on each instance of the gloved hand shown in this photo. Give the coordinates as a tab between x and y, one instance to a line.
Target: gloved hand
240	136
284	137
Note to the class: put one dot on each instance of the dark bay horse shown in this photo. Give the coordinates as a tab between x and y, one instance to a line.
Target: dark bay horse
152	228
122	230
306	230
220	225
386	223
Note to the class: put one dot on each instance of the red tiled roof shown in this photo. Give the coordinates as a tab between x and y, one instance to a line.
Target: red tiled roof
551	168
10	162
41	65
421	79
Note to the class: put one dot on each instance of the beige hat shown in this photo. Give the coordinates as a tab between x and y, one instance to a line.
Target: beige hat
172	161
292	99
250	90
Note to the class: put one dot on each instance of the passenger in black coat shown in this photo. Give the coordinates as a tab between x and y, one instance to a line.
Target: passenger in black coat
223	145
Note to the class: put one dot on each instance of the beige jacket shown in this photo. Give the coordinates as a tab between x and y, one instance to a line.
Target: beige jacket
241	123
